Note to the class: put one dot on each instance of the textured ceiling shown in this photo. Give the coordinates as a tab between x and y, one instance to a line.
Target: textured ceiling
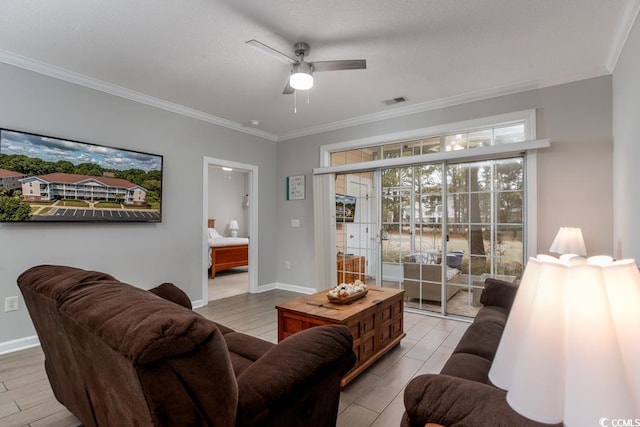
192	53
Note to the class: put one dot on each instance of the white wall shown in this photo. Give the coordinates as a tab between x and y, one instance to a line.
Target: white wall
626	149
141	254
574	175
226	199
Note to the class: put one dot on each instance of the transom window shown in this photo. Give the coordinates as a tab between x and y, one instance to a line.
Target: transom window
450	141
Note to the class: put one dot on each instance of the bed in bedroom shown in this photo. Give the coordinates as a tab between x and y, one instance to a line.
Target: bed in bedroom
226	252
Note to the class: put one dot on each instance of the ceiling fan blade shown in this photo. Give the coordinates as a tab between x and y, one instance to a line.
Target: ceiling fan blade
288	90
346	64
271	51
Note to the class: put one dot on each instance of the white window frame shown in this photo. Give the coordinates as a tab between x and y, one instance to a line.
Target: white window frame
529	147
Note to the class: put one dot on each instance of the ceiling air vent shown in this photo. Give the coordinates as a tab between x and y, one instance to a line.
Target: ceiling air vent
395	100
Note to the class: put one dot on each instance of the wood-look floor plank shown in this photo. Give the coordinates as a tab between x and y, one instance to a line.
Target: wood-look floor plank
389	385
32	414
8	408
62	418
29	377
24	391
29	364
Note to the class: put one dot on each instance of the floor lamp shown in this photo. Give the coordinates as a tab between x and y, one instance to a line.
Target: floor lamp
570	351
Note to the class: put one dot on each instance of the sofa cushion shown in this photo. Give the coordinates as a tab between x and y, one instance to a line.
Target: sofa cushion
481	339
493	314
244	350
468	366
498	292
172	293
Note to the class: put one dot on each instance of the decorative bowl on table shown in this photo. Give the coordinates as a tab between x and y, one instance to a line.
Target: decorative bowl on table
346	292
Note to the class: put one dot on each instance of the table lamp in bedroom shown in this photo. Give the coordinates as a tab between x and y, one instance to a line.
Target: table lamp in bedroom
233	228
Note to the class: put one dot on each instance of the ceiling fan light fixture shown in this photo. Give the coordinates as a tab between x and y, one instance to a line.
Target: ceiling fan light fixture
301	77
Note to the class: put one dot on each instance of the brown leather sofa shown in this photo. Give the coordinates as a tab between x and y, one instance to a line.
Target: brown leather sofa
118	355
462	395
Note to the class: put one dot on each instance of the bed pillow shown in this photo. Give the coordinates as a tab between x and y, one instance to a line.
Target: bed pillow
213	233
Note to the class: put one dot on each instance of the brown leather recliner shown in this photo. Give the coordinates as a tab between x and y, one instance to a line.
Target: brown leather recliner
120	355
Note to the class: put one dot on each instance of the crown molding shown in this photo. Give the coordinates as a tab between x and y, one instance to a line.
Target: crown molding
624	27
447	102
30	64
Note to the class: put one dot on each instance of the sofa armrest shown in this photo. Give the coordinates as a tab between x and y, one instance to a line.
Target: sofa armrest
498	292
455	402
310	362
172	293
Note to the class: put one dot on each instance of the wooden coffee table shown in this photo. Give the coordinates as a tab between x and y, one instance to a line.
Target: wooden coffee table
376	322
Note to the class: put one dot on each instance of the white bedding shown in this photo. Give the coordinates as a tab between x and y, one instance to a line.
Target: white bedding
227	241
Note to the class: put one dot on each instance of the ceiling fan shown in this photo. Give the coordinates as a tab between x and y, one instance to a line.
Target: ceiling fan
301	77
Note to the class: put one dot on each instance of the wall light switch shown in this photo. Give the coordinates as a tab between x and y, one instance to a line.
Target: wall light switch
10	304
295	223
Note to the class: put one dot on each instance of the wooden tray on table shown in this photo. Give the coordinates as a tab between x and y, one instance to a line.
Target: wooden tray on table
347	299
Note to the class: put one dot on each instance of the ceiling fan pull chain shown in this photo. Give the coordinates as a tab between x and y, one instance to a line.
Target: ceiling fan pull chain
308	97
295	102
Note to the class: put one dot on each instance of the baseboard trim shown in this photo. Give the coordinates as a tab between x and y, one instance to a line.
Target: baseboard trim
267	287
19	344
198	303
293	288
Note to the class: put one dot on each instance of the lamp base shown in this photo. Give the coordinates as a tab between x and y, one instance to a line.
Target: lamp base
234	233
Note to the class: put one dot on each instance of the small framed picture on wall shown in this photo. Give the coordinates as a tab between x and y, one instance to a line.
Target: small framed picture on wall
295	187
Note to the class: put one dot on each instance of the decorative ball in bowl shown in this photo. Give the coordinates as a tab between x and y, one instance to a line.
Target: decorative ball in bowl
346	292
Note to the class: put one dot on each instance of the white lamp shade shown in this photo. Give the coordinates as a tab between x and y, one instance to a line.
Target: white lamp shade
569	240
623	293
501	372
301	78
530	339
570	351
233	225
596	382
301	81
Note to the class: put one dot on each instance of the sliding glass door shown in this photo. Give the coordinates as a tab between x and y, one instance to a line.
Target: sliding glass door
441	252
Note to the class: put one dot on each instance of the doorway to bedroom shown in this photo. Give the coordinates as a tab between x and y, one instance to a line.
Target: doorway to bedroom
228	224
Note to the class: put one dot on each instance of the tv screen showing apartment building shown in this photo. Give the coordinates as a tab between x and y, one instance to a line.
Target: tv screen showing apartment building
345	208
47	179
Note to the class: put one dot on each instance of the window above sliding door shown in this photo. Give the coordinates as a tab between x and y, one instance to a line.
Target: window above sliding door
459	197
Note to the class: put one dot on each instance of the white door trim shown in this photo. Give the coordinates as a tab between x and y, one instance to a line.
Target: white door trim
252	170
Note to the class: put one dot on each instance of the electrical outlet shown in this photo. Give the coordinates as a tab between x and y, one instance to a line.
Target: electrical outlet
10	304
287	265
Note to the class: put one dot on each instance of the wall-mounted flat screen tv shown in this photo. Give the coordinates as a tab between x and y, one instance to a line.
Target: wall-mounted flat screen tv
52	179
345	208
